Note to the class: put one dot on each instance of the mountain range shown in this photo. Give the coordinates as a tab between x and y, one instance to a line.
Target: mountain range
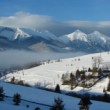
40	41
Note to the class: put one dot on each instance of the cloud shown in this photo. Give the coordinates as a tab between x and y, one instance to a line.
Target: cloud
13	58
89	24
24	20
43	22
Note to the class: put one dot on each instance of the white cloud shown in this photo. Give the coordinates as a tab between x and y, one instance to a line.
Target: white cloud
43	22
89	23
27	20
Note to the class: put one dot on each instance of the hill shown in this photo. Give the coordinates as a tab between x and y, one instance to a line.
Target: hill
50	72
41	96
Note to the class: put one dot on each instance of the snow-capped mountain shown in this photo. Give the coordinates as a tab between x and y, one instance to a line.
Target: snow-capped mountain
77	35
98	38
28	39
33	39
87	42
13	33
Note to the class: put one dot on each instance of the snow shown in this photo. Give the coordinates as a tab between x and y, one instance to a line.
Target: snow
49	74
77	35
69	42
42	96
98	37
43	34
19	32
13	33
7	104
100	86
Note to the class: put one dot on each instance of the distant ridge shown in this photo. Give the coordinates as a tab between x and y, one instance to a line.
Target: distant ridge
22	38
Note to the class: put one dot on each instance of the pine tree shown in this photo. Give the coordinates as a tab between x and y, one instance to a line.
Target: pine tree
71	76
2	94
104	91
106	97
17	98
85	103
37	108
13	79
57	88
63	78
108	87
58	105
77	74
99	72
72	81
83	77
89	70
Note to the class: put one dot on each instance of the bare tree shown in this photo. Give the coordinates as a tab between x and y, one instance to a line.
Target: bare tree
97	61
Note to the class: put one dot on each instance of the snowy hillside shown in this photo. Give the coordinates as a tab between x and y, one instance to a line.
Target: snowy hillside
41	96
49	73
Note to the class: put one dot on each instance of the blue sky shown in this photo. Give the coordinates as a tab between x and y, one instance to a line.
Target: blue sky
62	10
57	16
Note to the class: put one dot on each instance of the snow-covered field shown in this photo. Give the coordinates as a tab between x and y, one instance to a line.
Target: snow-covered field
42	96
49	74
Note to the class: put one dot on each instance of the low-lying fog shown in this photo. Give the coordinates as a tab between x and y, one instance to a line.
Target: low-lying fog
12	58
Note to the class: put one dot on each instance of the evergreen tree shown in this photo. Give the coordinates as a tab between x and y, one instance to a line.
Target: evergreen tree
58	105
72	81
71	76
37	108
104	91
77	74
57	88
17	99
83	77
89	70
108	87
13	79
106	97
99	72
85	103
63	78
2	94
